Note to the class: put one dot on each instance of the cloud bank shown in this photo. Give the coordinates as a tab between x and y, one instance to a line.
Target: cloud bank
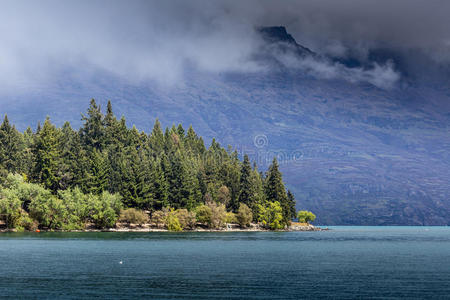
158	40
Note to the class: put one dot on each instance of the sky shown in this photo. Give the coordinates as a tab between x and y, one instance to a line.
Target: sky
157	40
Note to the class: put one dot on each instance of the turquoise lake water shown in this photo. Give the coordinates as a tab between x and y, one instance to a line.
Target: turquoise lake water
345	262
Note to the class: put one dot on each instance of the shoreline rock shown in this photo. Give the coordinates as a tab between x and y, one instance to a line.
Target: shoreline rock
149	228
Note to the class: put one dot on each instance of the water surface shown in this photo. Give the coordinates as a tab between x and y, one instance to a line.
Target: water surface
346	262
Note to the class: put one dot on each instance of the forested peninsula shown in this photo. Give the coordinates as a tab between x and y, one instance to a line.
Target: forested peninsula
106	175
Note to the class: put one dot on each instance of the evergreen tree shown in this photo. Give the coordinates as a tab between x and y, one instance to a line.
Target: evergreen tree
276	192
97	176
156	139
158	186
10	146
27	159
111	127
257	190
245	195
291	202
46	156
92	132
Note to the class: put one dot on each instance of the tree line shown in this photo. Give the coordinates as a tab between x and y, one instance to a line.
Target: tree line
105	167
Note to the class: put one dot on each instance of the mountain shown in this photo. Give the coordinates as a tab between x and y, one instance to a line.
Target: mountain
352	151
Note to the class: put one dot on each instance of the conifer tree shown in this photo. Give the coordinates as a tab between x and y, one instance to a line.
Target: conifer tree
158	186
26	156
10	147
180	132
276	192
111	127
291	202
257	190
156	139
46	156
97	176
92	132
245	195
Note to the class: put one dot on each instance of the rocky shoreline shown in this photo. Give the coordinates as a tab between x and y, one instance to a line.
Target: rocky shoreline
150	228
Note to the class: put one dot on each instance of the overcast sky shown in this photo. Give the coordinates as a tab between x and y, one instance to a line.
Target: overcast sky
154	40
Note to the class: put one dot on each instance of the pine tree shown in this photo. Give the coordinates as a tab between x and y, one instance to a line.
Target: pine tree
67	166
156	139
257	190
180	132
47	156
92	132
97	176
111	127
245	195
158	186
291	202
276	192
10	147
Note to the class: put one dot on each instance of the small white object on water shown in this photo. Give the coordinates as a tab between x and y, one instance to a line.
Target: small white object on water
120	262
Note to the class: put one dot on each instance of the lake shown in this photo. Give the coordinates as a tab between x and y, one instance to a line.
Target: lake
345	262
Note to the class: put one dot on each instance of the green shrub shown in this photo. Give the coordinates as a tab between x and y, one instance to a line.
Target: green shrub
104	210
305	216
48	211
212	214
159	218
230	218
10	207
244	215
28	223
271	215
172	223
187	219
218	215
76	210
133	216
204	214
16	196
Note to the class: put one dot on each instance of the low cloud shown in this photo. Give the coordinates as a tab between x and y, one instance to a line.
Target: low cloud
158	41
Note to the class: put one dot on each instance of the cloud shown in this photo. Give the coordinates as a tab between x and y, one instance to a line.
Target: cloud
158	40
381	75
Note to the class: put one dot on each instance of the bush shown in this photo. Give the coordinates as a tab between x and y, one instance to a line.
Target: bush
203	214
218	215
76	209
230	217
10	207
305	216
16	196
104	209
271	215
133	216
172	223
244	215
159	218
27	223
187	219
48	211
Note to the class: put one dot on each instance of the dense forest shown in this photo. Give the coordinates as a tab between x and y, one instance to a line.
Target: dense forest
61	178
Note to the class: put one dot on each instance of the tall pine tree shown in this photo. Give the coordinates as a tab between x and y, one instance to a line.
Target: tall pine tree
275	190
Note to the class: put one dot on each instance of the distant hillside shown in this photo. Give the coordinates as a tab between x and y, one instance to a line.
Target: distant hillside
352	152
